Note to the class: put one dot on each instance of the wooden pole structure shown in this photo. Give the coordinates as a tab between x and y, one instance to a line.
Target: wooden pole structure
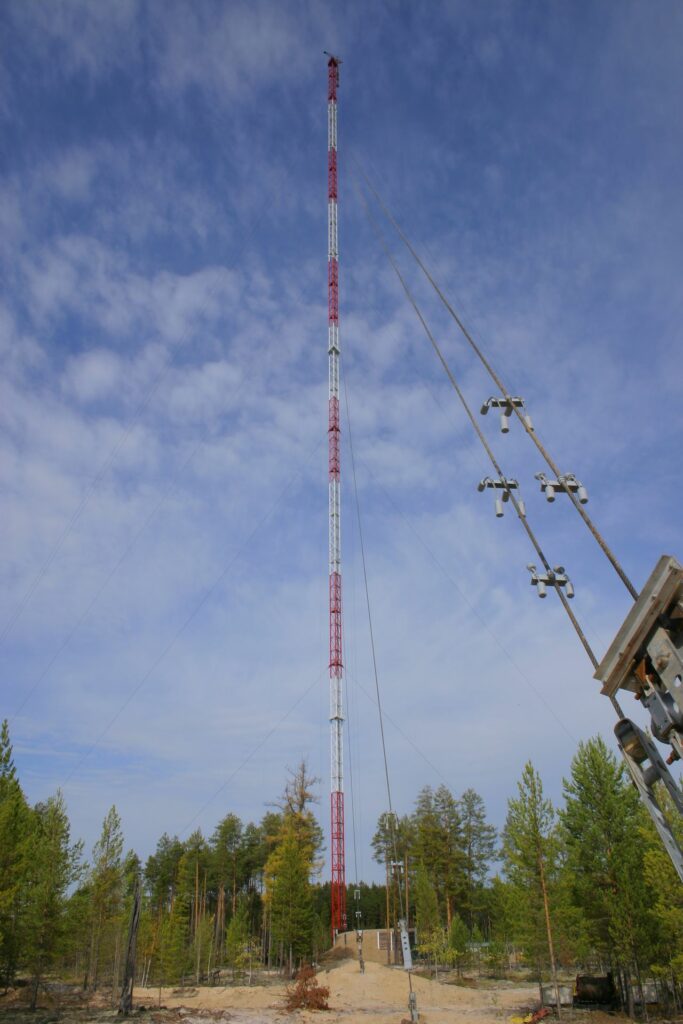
407	896
126	1000
388	923
551	950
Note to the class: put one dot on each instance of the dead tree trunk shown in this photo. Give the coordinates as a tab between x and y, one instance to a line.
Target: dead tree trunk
126	1001
551	951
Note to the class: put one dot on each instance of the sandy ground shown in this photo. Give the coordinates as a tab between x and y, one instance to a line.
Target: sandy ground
379	996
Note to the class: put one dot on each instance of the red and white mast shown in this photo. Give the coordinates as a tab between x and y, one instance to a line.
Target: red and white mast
338	887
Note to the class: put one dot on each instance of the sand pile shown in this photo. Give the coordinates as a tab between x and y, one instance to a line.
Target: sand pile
379	996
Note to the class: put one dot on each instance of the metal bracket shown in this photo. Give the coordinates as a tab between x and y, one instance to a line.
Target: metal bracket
556	577
405	945
504	484
646	656
637	750
507	403
359	943
564	484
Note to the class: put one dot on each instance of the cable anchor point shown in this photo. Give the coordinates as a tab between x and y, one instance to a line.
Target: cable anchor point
506	404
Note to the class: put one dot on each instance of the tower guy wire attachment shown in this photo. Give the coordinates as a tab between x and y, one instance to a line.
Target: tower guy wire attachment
646	659
566	483
504	484
507	401
646	655
556	577
507	404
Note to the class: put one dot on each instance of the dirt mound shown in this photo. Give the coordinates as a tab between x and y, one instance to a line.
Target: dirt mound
337	954
379	996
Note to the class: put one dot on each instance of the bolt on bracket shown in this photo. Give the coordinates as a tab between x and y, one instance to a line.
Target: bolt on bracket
506	404
506	485
646	655
564	484
556	577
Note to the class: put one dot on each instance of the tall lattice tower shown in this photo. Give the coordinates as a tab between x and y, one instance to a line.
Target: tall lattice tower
338	887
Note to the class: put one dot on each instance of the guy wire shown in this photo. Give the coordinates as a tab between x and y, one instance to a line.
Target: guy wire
522	518
504	392
391	815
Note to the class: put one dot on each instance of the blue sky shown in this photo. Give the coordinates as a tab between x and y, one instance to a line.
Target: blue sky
163	329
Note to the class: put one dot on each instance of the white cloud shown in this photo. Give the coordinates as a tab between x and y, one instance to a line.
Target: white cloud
88	38
93	375
164	340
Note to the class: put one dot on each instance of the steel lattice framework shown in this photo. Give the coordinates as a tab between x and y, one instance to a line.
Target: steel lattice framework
338	886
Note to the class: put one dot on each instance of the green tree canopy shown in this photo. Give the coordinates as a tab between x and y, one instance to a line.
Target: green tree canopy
605	832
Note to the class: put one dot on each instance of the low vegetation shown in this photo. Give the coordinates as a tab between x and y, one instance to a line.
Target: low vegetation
306	993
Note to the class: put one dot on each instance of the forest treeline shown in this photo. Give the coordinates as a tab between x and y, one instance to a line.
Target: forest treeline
585	885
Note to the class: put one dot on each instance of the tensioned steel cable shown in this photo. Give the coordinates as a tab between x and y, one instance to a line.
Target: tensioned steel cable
348	732
504	391
392	820
494	462
367	593
262	742
475	612
402	734
353	803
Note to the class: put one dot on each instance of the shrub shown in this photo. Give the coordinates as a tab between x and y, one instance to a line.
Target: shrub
307	994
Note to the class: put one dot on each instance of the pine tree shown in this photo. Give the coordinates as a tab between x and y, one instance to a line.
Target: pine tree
16	825
190	895
106	888
393	838
293	859
289	895
452	852
430	935
175	957
295	806
479	846
530	850
8	772
161	872
667	902
603	828
438	845
226	848
458	942
54	865
237	939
